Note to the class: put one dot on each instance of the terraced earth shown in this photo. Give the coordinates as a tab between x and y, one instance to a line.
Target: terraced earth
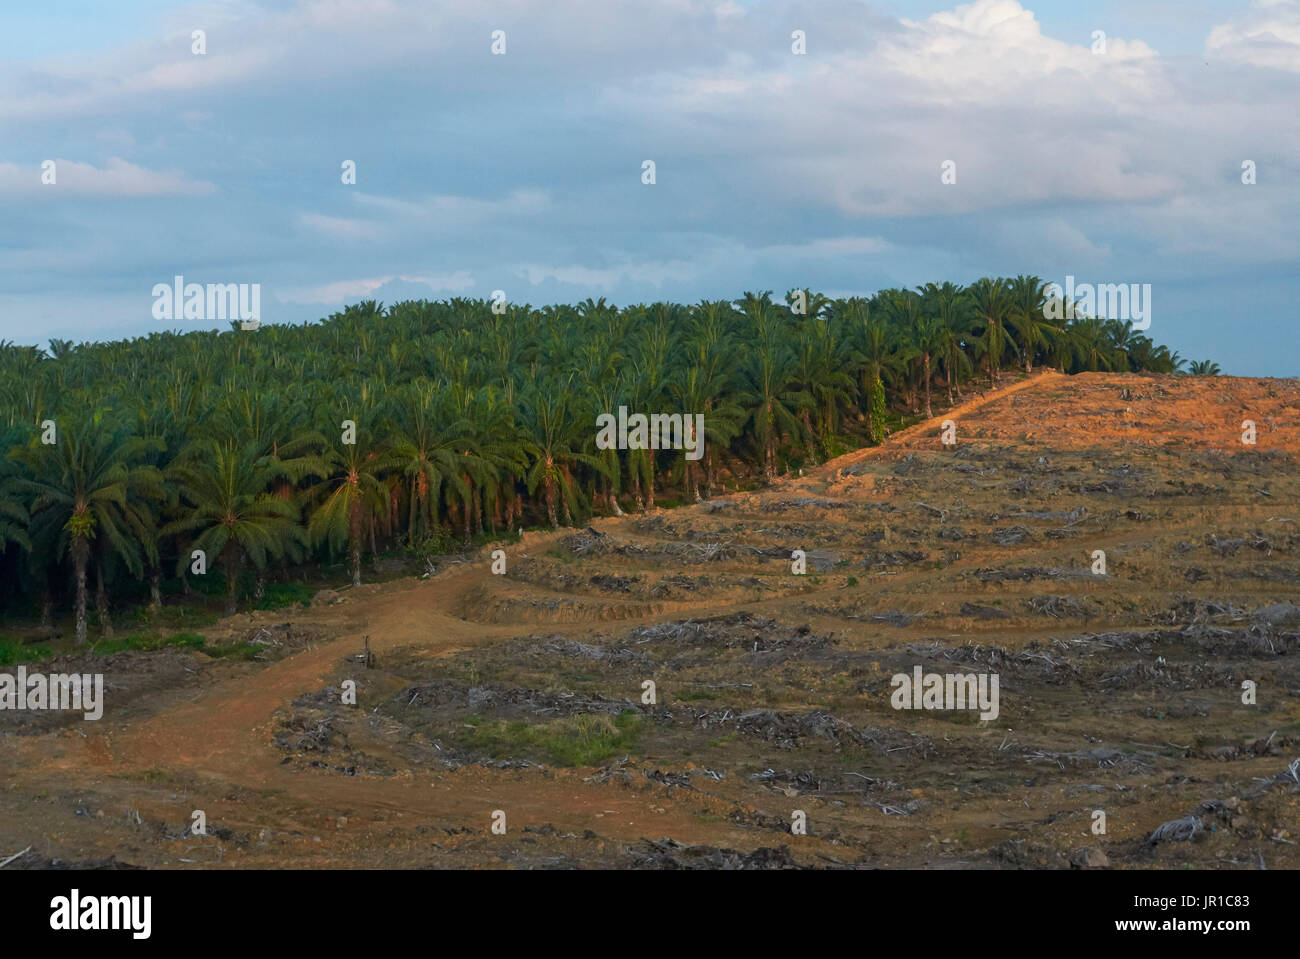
522	697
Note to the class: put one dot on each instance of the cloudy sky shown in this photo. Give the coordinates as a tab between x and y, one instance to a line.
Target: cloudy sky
523	172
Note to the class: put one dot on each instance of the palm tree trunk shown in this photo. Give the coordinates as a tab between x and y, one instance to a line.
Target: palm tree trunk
550	503
80	553
354	542
769	448
232	582
155	590
928	411
410	517
101	603
564	500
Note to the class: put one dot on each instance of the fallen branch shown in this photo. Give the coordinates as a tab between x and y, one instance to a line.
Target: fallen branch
15	856
934	511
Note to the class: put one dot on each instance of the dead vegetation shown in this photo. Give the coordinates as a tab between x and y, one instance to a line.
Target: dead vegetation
1120	693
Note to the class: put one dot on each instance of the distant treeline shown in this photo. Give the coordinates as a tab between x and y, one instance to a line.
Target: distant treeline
465	420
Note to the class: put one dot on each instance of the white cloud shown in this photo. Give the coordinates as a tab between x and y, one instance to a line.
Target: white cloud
460	210
983	48
338	227
1124	151
862	130
117	178
654	273
827	247
1268	35
341	290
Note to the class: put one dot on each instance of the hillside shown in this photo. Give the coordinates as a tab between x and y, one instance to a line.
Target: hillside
1120	693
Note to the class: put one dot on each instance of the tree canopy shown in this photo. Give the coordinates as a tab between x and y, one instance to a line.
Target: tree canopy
465	421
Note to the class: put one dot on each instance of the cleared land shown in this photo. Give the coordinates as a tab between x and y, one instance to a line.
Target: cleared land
522	692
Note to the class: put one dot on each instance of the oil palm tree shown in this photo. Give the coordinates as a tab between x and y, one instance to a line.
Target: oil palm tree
922	335
1091	344
878	360
947	303
425	446
1027	317
470	414
992	303
89	488
770	370
14	516
554	439
350	489
228	510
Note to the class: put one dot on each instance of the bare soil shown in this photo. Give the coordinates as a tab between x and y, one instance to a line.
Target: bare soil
523	693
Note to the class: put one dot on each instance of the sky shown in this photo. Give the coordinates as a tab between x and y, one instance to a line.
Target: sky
1117	160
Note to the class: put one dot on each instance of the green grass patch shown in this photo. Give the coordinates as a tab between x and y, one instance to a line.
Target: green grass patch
187	617
145	642
245	651
13	652
280	595
584	740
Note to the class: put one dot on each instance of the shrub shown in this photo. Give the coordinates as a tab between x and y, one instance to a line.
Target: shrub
13	652
582	740
280	595
145	642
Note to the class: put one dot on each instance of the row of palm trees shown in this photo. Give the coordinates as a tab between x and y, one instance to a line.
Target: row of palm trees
376	428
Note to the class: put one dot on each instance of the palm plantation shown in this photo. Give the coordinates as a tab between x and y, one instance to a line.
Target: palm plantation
467	422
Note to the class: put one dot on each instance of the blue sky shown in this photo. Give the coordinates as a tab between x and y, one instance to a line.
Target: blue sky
523	172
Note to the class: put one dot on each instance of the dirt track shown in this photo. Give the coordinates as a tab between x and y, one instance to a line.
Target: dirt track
1119	693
